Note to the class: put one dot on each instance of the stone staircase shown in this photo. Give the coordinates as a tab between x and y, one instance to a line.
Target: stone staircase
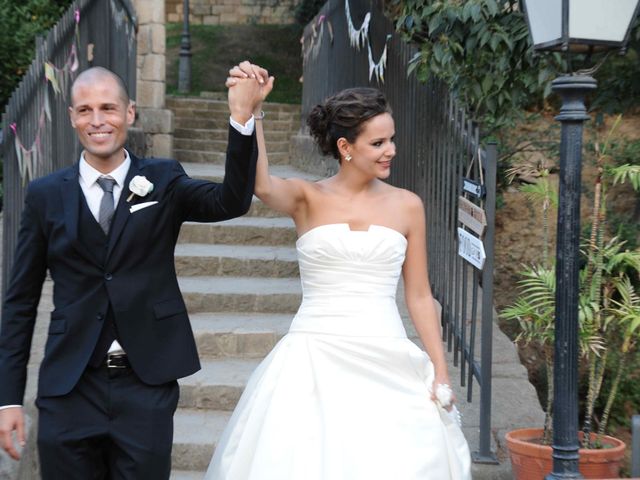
239	278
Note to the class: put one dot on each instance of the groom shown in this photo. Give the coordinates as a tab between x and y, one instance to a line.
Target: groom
119	336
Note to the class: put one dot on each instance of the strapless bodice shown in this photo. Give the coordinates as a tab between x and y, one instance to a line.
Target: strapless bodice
349	280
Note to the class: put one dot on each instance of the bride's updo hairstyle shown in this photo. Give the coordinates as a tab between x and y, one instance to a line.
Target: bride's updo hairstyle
343	115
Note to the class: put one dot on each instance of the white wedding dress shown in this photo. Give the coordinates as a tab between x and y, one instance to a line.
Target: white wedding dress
345	395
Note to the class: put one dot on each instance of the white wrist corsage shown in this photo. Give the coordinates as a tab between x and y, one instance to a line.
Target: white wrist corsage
444	396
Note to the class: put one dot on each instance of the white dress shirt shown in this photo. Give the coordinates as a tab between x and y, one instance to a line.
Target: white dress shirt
93	192
93	195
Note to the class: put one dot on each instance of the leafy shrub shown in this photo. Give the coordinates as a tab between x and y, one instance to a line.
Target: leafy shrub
481	49
20	22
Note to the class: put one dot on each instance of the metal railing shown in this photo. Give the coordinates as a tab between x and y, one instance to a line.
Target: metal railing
438	145
37	135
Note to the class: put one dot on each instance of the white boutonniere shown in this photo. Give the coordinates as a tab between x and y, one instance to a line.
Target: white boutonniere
140	186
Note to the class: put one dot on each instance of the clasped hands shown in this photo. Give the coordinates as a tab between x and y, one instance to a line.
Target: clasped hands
248	86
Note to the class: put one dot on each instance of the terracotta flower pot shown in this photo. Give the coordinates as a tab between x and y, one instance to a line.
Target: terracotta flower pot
532	461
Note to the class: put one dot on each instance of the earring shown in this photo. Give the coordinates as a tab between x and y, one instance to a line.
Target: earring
348	158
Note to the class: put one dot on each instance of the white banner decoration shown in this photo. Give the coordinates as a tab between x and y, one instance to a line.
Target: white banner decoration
315	39
28	158
358	38
315	49
378	68
122	20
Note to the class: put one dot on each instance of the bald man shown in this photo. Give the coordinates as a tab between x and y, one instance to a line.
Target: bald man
119	336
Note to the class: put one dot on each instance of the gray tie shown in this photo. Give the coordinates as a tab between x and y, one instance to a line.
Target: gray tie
105	215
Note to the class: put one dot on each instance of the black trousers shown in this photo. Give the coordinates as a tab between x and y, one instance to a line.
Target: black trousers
110	426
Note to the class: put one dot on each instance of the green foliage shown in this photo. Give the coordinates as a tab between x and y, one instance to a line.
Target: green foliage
608	305
627	402
534	309
619	89
20	22
216	48
481	50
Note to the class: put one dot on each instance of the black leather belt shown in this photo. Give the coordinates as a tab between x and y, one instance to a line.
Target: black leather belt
117	360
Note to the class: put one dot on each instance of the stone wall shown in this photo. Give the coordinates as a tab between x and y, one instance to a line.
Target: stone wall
153	117
306	156
233	12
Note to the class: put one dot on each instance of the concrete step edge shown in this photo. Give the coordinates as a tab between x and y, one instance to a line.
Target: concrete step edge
255	286
196	433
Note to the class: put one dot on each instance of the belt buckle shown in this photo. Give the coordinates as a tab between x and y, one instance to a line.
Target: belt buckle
114	357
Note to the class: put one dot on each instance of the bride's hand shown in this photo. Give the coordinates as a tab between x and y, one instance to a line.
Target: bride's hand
246	71
442	393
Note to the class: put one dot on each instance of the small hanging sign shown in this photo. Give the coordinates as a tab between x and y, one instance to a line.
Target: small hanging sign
472	216
471	248
473	188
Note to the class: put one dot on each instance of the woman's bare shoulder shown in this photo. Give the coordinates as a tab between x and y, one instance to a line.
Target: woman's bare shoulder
406	199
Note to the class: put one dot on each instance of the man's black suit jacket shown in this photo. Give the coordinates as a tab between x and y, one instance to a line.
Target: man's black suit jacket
137	280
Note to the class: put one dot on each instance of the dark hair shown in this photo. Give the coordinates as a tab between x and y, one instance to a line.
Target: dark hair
343	115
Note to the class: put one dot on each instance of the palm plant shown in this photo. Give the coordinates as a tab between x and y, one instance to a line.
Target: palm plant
609	305
534	309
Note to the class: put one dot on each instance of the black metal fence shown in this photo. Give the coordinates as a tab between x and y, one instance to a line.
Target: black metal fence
438	147
37	135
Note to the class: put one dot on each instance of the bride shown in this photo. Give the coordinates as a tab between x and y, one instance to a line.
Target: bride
345	395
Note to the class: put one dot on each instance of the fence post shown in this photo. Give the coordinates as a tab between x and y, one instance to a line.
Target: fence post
484	454
635	446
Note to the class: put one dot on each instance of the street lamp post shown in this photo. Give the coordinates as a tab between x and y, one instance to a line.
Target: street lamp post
184	68
572	26
573	113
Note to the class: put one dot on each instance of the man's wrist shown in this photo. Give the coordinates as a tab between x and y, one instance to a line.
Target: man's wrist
4	407
241	116
243	128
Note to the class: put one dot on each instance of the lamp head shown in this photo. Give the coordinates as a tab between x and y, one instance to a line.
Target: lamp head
580	25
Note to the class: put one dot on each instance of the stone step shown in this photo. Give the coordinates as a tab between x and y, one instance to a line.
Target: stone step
222	96
220	110
186	475
241	231
221	145
259	209
215	173
196	433
219	157
222	134
233	335
241	294
236	260
214	104
218	385
222	122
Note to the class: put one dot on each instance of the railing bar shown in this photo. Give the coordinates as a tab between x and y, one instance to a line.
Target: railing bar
465	357
472	336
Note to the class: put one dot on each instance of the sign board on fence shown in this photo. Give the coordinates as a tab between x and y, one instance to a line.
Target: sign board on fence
473	188
472	216
471	248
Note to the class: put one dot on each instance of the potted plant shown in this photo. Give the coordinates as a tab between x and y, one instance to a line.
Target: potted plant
609	316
